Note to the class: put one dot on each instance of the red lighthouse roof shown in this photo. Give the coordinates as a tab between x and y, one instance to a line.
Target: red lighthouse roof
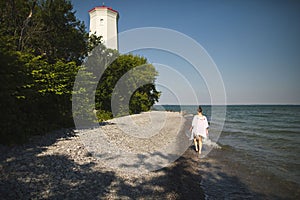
103	7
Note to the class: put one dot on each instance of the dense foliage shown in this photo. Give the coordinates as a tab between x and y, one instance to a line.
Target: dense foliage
125	85
136	90
42	47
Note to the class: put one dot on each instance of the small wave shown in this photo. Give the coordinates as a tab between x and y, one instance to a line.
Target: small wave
210	143
227	147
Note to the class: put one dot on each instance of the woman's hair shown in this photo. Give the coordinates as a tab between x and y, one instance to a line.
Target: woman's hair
199	109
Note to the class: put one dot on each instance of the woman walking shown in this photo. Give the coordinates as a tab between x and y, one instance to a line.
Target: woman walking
199	129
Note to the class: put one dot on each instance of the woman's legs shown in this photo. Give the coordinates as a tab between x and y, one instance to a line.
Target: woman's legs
200	144
195	143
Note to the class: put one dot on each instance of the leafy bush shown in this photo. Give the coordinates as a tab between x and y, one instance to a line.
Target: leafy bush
103	115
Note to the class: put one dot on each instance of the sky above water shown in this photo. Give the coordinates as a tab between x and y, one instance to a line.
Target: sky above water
255	46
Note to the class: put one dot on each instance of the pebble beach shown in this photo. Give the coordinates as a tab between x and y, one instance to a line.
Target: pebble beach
118	160
60	165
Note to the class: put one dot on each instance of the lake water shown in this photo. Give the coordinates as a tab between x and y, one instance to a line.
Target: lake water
260	142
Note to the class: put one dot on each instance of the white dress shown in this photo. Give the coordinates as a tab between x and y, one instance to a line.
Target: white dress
199	125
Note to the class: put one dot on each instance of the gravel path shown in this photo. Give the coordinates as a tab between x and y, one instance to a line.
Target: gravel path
68	165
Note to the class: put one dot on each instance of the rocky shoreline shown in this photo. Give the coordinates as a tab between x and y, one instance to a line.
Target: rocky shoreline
60	165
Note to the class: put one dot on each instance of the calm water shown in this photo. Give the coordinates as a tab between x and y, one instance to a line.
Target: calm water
260	140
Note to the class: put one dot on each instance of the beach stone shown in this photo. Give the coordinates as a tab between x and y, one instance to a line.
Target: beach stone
59	165
124	145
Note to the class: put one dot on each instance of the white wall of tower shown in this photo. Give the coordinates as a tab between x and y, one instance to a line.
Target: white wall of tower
104	22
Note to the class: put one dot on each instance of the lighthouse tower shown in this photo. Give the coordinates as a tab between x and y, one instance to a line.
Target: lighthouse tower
104	22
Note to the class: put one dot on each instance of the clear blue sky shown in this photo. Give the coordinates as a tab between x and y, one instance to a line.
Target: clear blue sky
255	44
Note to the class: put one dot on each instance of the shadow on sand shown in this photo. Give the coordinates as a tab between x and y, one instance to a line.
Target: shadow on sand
27	175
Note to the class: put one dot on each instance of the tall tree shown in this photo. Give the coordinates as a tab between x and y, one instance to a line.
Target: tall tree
45	27
42	45
132	92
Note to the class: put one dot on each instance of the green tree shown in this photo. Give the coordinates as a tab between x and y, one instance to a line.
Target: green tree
11	80
42	45
140	98
45	27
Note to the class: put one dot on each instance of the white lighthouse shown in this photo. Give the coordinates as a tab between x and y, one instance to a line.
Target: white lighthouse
104	22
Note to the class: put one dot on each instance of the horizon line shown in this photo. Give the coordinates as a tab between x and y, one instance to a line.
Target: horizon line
250	104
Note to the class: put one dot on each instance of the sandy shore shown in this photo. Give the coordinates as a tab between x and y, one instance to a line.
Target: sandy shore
139	143
62	166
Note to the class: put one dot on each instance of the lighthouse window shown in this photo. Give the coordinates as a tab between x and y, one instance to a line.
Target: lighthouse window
101	21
